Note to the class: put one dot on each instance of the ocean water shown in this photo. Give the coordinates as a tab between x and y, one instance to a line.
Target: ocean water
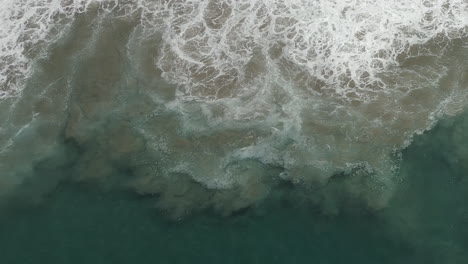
235	131
78	223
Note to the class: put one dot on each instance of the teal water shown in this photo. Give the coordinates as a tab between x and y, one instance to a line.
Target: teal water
80	226
233	132
425	223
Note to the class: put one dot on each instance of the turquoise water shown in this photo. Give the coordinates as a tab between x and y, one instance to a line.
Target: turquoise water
81	226
425	223
249	131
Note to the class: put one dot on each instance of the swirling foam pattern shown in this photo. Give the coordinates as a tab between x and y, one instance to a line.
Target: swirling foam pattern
232	95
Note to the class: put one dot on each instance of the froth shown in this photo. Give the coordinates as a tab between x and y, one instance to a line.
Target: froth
215	48
340	79
297	91
340	85
27	27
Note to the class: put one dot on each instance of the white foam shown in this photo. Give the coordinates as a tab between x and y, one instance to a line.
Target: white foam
209	44
26	29
329	71
344	44
314	87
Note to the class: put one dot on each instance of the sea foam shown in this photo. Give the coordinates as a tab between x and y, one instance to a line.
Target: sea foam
212	103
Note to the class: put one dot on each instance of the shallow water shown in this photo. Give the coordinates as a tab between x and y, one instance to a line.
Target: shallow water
208	130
